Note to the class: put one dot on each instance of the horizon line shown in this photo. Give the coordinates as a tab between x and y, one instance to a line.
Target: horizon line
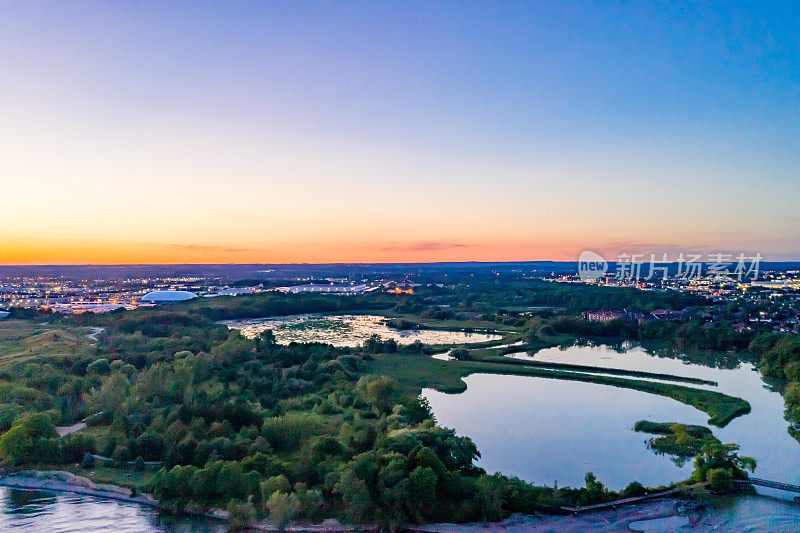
2	265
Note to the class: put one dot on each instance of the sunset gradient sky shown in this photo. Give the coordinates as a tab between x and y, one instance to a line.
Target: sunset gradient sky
208	132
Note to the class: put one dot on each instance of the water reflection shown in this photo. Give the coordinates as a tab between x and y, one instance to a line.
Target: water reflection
348	330
751	513
709	358
25	502
548	431
45	511
545	430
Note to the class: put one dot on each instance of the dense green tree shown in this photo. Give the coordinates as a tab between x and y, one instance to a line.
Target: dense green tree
379	392
355	497
282	509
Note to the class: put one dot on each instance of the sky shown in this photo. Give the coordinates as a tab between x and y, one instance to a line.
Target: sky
276	132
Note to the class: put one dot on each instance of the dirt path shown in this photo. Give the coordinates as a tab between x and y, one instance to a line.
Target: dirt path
63	431
95	332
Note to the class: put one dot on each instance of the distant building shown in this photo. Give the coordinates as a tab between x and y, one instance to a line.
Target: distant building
398	288
777	284
79	307
234	291
602	315
160	297
327	289
670	314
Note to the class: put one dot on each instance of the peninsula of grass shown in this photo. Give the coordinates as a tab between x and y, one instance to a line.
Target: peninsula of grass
499	349
415	372
595	369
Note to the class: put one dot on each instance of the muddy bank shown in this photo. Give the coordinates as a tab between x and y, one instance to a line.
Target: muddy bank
633	517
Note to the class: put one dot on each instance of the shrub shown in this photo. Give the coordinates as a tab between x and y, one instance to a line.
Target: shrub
286	432
633	489
720	479
275	484
99	367
87	461
240	515
282	509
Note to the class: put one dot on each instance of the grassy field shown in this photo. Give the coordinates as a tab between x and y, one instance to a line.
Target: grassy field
594	369
23	339
416	372
107	474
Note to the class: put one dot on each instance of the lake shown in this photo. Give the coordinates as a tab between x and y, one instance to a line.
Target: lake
348	330
42	511
546	430
542	430
50	512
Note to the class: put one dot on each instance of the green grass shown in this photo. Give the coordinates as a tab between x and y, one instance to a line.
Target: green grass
415	372
669	428
596	369
22	340
106	474
115	476
488	350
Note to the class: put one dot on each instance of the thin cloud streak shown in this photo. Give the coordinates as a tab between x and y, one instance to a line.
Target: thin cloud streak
425	247
207	248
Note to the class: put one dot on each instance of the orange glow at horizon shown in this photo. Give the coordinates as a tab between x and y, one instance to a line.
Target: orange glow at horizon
57	251
556	245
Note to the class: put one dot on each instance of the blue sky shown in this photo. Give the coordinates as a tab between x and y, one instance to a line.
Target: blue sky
446	129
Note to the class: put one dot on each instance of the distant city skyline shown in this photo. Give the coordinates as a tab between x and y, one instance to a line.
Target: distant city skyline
202	132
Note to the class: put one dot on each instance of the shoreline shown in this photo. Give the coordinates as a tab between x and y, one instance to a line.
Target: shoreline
67	482
611	517
63	481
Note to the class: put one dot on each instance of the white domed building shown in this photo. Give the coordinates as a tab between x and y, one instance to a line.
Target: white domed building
162	297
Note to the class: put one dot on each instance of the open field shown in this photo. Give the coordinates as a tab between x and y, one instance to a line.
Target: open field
21	340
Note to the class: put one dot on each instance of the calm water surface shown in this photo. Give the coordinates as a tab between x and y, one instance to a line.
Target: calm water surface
547	431
45	511
541	430
347	330
52	512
